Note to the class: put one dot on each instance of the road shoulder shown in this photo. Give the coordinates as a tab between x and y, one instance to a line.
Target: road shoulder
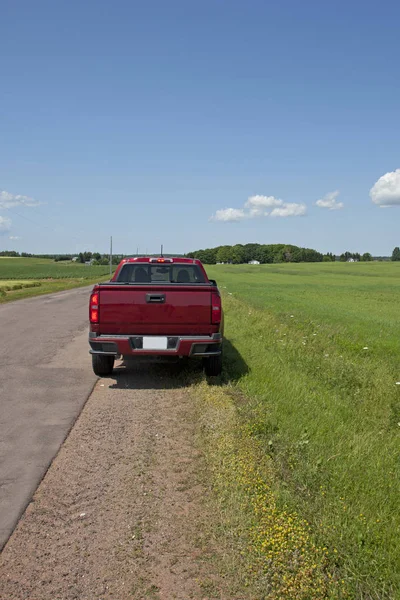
121	512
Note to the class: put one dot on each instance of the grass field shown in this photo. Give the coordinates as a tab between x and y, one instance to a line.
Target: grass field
320	398
44	268
25	277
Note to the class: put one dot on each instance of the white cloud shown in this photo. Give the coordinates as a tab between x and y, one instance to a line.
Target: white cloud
258	205
261	206
5	224
14	237
329	201
386	191
289	209
8	200
229	214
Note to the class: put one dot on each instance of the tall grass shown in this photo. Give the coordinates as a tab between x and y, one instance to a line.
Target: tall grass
322	346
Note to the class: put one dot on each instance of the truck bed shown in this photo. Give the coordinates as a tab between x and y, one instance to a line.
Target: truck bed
153	309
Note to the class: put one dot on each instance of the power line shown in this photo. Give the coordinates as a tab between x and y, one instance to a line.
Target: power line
27	218
41	225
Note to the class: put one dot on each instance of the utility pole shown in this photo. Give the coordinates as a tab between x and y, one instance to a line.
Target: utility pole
110	257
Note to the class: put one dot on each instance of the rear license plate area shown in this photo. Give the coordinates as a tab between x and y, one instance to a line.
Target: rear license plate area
155	343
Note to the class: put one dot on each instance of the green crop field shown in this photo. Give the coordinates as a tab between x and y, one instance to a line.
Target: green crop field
43	268
321	345
24	277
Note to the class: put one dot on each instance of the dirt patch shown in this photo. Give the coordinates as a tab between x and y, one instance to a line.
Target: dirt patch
120	513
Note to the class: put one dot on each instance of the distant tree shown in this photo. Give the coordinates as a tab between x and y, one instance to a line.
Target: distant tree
238	254
287	253
224	254
309	255
207	256
9	253
396	253
264	255
296	254
366	257
251	252
62	257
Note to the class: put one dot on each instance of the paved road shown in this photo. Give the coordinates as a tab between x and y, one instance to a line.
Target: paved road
45	379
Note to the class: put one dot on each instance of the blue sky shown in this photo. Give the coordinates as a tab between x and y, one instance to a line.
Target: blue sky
147	120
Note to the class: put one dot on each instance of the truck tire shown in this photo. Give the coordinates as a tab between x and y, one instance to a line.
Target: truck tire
102	365
213	365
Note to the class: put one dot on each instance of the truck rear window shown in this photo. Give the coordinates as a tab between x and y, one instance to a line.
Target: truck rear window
148	273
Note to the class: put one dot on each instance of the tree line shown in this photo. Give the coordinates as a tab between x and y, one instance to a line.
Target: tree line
366	257
237	254
271	253
263	253
14	254
82	257
97	258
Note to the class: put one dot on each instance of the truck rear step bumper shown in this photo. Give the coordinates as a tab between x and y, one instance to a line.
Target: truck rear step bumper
132	345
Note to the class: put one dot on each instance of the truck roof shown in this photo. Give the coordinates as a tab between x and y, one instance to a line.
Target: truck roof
161	259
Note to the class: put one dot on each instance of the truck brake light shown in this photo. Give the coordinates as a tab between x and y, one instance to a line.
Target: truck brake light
216	309
161	260
94	308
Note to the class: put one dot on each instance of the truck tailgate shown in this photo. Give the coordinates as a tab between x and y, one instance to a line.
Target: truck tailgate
155	309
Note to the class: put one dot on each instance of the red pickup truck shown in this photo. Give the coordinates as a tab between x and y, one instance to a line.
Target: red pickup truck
156	307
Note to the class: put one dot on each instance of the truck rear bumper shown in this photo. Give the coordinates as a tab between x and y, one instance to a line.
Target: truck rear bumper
132	345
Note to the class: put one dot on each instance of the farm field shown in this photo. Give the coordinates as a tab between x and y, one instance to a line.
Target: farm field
25	277
320	399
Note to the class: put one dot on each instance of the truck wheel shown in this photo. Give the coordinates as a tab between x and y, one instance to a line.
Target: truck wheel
102	365
213	365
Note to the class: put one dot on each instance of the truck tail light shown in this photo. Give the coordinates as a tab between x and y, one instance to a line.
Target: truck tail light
216	309
94	308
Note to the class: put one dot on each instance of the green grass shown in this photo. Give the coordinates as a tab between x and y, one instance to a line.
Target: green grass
43	268
27	277
10	282
16	284
322	344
